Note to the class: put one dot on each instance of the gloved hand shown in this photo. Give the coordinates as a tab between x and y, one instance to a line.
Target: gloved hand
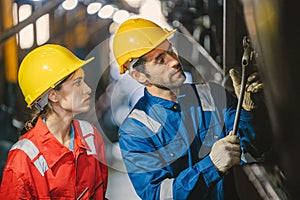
226	153
253	90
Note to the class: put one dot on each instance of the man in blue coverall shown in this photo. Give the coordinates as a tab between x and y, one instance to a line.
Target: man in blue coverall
176	142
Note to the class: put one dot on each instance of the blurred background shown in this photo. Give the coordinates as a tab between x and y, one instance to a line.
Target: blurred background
209	41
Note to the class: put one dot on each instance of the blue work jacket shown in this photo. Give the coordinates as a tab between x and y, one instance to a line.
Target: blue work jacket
165	145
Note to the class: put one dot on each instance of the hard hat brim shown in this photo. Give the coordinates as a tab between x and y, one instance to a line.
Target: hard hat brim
84	62
146	50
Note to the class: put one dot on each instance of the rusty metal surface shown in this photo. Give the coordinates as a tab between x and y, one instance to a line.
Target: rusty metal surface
273	28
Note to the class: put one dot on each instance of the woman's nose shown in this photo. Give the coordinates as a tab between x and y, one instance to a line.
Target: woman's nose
87	89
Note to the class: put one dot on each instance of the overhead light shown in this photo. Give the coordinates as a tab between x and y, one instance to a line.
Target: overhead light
69	4
120	16
25	11
134	3
93	8
26	34
15	18
151	9
42	29
106	12
15	13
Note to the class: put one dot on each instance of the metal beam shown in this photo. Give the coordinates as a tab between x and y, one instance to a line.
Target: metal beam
51	5
10	47
229	34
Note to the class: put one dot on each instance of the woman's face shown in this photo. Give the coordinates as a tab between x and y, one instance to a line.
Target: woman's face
74	95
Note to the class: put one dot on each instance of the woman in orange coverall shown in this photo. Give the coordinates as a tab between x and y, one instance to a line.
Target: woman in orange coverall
58	157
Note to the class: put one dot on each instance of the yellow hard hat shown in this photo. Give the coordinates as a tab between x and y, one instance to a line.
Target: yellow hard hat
44	67
136	37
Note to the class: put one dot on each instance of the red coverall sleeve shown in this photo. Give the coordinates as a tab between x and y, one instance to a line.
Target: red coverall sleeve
14	185
103	165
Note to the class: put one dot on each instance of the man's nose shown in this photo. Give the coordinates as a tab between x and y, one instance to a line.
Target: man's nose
172	59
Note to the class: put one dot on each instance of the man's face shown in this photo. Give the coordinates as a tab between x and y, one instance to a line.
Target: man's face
163	68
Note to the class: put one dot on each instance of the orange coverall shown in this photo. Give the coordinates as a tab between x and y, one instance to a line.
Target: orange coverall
40	167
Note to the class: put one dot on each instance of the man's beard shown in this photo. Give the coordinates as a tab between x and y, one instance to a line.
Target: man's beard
160	86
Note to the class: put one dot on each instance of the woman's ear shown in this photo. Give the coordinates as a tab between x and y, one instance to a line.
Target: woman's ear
53	96
138	76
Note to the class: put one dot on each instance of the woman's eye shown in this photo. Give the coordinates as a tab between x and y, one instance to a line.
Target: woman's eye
78	82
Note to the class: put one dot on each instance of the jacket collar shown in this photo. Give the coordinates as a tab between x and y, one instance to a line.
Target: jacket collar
154	100
49	146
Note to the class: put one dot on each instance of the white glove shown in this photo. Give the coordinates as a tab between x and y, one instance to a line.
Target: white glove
253	89
226	153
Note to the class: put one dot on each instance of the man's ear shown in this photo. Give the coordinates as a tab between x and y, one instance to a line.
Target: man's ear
53	96
138	76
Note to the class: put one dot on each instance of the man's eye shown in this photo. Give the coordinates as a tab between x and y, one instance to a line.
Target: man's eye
161	60
172	53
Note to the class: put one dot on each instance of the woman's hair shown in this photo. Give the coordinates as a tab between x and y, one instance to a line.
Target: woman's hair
35	116
41	113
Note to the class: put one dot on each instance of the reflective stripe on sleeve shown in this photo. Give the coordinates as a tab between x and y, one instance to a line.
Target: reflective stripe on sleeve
166	189
205	96
41	165
32	152
141	116
88	135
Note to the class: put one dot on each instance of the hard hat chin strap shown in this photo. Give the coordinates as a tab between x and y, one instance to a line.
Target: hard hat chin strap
42	101
132	63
